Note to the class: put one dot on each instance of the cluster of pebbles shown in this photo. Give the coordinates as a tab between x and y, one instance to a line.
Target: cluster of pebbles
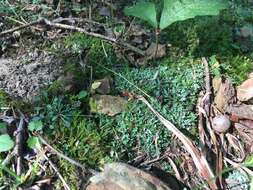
28	73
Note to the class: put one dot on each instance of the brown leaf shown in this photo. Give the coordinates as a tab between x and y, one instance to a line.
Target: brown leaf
151	51
242	111
247	123
225	95
216	84
245	90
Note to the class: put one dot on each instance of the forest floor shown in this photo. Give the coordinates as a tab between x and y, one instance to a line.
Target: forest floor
83	87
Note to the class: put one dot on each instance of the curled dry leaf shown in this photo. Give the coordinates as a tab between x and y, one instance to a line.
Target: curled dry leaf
247	123
225	95
245	90
246	134
241	111
216	84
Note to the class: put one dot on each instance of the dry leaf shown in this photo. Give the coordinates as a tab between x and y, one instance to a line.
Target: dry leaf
198	159
151	51
216	84
242	111
245	90
225	95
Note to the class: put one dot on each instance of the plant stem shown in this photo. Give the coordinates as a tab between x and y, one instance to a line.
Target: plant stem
156	41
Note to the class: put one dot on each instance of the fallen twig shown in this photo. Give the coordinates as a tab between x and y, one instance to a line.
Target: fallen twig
40	21
19	145
74	162
56	24
66	186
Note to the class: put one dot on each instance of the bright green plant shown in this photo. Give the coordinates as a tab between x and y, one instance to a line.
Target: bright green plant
6	143
174	11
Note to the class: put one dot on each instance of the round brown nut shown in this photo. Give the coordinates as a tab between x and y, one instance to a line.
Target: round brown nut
221	123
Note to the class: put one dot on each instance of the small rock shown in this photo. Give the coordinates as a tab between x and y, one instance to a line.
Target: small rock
103	86
119	176
106	104
245	90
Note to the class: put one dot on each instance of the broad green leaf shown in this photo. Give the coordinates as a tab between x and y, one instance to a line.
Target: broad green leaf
145	11
35	125
33	143
82	94
179	10
6	143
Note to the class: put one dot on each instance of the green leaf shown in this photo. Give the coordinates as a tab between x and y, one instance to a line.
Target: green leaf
33	143
145	11
95	85
6	143
179	10
35	125
82	94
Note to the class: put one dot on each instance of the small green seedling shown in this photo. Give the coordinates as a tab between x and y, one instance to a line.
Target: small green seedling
174	11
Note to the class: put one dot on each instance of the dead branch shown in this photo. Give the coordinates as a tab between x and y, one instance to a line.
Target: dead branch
55	24
21	27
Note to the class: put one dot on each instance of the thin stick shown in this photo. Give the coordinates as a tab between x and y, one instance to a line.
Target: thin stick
74	162
20	27
19	145
66	186
75	28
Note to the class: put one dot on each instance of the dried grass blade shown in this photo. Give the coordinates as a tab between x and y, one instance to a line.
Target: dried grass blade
199	161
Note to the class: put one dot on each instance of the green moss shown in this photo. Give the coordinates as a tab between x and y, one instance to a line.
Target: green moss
237	68
84	141
55	88
4	100
174	88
